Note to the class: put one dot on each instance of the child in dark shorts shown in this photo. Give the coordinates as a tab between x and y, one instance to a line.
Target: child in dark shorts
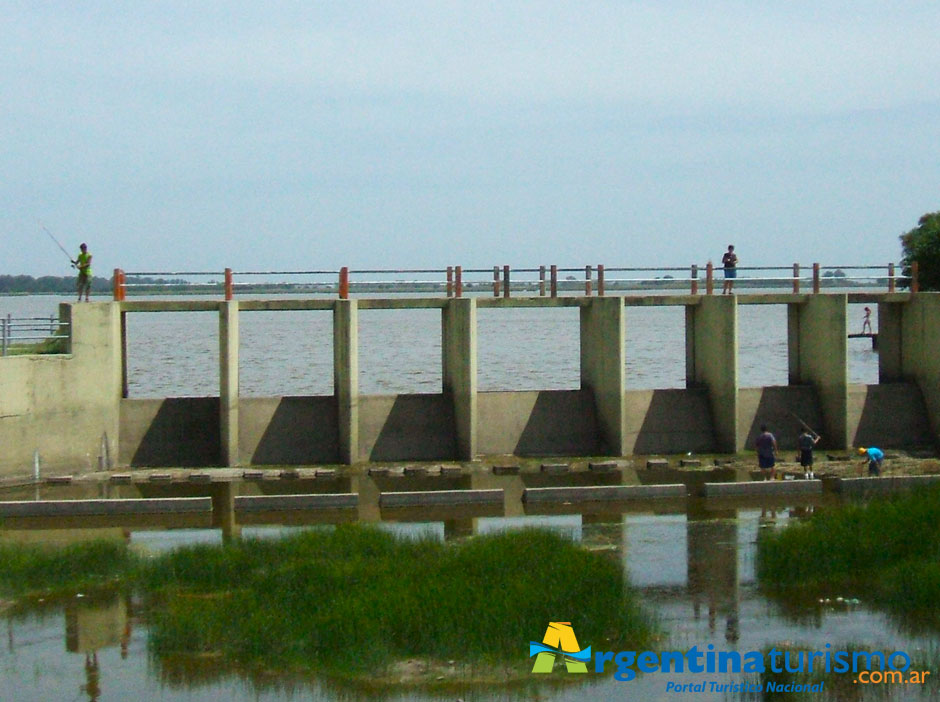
806	441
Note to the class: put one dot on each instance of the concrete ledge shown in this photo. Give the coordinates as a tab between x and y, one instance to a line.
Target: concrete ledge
763	487
894	483
441	497
273	503
589	493
604	467
505	470
555	467
657	463
71	508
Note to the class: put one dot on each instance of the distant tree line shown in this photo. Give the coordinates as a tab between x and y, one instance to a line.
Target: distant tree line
66	284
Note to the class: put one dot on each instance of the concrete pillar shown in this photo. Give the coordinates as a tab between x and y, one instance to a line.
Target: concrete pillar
459	359
821	328
890	316
712	350
793	343
228	382
346	377
603	368
920	339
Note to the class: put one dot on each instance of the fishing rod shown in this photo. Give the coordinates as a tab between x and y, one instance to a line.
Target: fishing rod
52	236
811	430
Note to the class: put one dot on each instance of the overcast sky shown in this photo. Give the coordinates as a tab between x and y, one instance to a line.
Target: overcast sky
283	135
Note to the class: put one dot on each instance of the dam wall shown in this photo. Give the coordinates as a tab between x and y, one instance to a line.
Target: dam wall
73	408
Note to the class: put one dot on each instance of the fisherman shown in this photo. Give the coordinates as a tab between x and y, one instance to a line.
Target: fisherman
83	264
874	456
806	441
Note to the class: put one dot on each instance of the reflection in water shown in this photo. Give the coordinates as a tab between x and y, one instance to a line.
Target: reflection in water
691	560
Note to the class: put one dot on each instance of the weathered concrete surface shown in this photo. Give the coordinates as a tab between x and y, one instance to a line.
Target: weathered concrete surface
65	406
889	415
821	360
668	421
289	430
712	340
440	497
181	431
602	325
273	503
417	427
459	359
228	383
778	407
538	423
590	493
875	485
346	377
920	359
63	508
763	487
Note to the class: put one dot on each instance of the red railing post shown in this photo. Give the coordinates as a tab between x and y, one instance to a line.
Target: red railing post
505	281
116	284
694	279
554	281
458	283
709	278
587	281
495	281
229	288
450	281
541	281
816	278
890	277
915	276
796	277
344	283
600	280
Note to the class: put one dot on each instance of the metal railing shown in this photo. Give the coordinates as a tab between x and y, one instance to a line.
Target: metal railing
502	281
19	331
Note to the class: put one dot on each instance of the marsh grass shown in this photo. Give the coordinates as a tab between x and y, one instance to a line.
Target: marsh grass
887	549
355	599
31	569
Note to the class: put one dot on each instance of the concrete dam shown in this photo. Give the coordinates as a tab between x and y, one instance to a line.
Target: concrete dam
73	405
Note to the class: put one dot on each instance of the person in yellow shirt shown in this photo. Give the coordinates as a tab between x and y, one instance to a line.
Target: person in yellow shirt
83	264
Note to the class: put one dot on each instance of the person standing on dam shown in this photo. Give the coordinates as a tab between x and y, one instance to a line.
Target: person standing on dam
83	263
730	263
766	445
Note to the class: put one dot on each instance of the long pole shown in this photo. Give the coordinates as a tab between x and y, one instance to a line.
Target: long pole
804	424
52	236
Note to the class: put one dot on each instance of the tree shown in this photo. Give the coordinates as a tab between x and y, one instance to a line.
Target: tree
922	245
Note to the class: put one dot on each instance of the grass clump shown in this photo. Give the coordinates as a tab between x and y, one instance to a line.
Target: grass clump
887	548
33	569
355	600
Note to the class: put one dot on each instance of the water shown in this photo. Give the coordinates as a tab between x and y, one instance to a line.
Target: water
175	354
693	566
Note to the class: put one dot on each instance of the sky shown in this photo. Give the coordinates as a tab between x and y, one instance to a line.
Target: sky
312	135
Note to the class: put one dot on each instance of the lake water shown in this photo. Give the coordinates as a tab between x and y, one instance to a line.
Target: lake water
693	565
175	354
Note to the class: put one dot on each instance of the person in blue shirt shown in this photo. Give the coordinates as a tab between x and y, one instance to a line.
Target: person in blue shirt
874	456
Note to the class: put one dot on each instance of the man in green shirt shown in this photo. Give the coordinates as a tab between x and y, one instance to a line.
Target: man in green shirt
83	264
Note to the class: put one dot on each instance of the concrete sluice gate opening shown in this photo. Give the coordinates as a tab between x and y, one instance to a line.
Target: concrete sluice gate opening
172	354
399	351
654	348
285	353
